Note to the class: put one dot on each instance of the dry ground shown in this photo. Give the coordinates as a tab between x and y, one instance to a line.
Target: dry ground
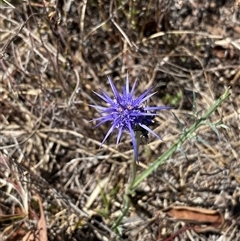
53	54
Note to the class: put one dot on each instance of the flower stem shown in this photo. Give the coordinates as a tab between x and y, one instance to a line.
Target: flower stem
134	164
129	188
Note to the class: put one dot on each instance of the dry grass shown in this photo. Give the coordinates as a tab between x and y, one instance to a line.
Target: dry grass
53	54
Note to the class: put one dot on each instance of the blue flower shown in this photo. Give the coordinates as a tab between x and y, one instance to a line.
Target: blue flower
127	112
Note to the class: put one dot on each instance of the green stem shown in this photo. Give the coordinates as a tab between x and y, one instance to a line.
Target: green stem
126	207
180	141
134	165
128	190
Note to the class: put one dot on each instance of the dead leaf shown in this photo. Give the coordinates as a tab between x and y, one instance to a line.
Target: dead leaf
41	233
204	220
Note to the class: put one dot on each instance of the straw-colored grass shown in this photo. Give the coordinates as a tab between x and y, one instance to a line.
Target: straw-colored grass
53	174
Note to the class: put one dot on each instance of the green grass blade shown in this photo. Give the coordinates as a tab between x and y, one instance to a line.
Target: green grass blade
181	140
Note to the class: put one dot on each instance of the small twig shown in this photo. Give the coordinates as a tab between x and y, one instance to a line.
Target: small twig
120	29
181	230
3	50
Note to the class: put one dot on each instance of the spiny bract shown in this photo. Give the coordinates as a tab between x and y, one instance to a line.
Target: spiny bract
127	112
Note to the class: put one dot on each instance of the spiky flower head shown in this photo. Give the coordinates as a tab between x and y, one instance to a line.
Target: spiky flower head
127	112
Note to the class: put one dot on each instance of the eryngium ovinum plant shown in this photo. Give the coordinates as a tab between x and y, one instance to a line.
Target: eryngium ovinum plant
128	113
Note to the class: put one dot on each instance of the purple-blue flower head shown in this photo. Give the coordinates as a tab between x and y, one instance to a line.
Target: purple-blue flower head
127	112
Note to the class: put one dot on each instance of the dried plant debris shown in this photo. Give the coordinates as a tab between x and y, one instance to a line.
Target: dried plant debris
54	176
